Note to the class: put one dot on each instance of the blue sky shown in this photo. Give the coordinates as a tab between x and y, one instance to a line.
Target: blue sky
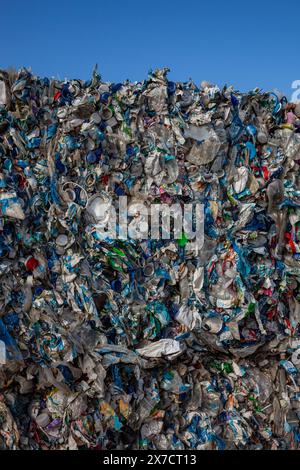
243	43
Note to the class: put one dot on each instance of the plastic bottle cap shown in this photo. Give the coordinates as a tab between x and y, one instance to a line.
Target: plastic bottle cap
148	270
62	240
31	263
91	157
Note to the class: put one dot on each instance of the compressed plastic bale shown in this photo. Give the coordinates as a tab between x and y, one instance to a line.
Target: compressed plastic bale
147	343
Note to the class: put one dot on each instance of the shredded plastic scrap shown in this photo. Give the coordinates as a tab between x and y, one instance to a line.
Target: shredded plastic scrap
109	343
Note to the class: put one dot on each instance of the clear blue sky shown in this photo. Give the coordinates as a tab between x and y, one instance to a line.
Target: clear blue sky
244	43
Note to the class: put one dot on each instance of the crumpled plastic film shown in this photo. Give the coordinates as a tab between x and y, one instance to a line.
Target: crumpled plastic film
110	343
